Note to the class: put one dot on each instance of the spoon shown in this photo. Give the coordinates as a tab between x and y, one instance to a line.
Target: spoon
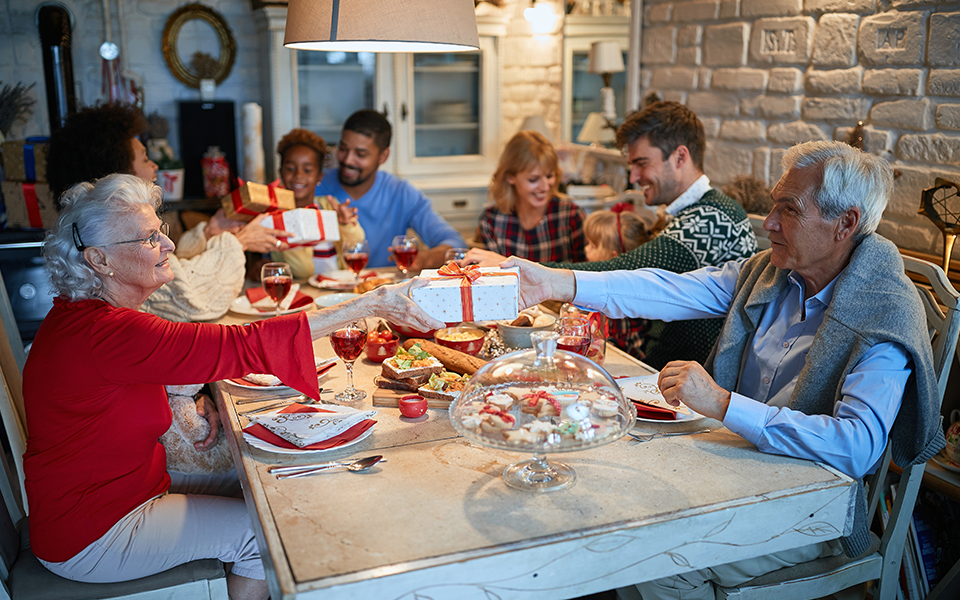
358	465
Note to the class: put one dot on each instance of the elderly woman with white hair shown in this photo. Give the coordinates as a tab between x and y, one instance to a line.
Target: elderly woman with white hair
96	477
823	354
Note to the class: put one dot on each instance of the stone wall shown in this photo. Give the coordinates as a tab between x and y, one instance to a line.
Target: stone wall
766	74
143	22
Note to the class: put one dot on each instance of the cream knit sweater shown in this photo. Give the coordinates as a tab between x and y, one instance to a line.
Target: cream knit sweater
207	277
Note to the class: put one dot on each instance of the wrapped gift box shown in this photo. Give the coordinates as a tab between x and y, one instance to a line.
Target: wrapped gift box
308	225
29	205
493	295
251	199
25	160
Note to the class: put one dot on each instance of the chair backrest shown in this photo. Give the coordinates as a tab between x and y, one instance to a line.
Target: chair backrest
11	399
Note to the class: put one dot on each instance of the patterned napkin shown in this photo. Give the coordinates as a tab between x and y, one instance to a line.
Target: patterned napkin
294	299
309	427
259	431
649	402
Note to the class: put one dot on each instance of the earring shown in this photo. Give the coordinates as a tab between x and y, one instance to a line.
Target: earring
110	274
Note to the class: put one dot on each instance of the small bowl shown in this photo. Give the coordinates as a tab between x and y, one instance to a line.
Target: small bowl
379	352
412	406
471	344
519	337
410	332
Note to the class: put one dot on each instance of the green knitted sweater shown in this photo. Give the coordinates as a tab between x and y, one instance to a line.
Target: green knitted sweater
709	232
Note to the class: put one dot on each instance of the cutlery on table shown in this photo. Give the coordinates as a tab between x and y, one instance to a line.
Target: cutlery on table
646	437
255	400
361	464
288	402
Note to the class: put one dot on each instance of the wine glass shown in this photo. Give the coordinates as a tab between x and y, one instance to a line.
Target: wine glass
404	250
276	278
574	334
356	256
348	343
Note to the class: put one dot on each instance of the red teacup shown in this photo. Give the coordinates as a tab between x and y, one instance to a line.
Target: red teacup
413	406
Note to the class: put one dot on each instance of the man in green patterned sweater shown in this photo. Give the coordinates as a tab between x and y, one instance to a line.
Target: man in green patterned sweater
665	145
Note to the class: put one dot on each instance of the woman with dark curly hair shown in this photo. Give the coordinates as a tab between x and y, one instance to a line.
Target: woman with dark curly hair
301	168
208	266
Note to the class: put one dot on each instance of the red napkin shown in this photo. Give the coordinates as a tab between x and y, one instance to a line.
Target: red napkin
322	277
320	371
257	294
647	411
349	435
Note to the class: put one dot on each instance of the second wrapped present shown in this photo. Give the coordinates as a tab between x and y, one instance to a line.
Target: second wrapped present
251	199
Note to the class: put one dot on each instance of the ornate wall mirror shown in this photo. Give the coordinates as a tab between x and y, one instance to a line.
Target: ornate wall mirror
196	28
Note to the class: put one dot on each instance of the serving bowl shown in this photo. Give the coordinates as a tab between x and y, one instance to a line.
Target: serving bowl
519	337
464	338
410	332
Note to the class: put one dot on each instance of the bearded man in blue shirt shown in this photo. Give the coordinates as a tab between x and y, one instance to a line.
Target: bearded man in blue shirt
386	205
823	355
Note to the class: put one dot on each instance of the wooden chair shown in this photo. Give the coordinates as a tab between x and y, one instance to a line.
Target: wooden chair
22	576
881	562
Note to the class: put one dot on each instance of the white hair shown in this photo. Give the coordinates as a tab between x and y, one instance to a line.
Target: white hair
101	211
851	178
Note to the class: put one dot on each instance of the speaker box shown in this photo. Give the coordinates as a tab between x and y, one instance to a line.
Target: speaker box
201	125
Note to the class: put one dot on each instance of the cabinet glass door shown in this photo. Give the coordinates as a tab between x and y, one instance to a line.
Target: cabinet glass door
585	95
447	110
332	86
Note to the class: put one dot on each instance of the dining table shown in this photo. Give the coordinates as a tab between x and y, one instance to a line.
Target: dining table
436	520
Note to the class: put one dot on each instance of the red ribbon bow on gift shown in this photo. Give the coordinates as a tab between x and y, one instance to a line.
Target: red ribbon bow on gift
467	276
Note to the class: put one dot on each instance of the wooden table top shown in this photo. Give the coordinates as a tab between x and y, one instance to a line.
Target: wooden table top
437	520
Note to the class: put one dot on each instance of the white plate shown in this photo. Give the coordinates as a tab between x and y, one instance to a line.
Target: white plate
241	306
946	463
644	389
253	386
344	279
268	447
332	299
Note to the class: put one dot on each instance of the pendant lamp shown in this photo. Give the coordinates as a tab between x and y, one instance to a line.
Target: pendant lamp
382	25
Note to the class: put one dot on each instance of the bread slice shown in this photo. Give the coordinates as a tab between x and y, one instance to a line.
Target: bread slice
419	363
438	394
444	386
408	384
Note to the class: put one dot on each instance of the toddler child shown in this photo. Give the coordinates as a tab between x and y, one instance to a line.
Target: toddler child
609	233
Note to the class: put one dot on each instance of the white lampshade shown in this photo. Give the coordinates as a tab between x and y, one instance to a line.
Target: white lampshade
606	57
382	25
595	130
536	123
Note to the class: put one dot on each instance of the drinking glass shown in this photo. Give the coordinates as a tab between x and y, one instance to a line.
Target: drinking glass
574	334
356	256
276	278
455	254
404	250
348	343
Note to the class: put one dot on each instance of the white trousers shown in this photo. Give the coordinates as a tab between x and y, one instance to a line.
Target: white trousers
166	531
699	585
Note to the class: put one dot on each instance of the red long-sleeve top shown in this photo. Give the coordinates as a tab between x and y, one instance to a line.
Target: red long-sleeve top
96	407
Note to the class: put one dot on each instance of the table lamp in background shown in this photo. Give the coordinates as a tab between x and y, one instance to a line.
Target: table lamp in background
606	58
537	123
597	130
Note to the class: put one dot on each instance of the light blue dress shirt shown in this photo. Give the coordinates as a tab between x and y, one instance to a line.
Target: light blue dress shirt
388	209
852	439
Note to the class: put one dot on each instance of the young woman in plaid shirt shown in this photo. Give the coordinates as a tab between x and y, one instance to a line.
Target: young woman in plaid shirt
528	218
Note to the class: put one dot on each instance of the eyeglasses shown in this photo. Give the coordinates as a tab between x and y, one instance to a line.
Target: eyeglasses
153	240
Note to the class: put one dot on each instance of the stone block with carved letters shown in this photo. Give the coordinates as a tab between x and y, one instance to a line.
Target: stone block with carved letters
892	38
782	41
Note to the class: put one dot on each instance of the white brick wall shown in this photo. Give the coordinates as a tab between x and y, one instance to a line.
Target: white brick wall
21	59
778	72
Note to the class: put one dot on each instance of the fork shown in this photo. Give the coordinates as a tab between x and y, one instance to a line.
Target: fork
646	437
306	401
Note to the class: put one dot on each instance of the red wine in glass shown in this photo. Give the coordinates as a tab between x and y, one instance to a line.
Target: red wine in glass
405	257
277	287
348	343
571	343
356	261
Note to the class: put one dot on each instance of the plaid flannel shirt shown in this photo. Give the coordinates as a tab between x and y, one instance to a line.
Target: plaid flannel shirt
557	237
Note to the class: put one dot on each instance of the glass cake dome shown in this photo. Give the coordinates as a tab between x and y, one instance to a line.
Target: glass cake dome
542	401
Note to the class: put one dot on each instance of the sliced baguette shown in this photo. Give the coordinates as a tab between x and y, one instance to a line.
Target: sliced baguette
409	384
391	371
453	360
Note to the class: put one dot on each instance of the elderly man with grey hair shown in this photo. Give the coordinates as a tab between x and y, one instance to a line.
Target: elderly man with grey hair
823	355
